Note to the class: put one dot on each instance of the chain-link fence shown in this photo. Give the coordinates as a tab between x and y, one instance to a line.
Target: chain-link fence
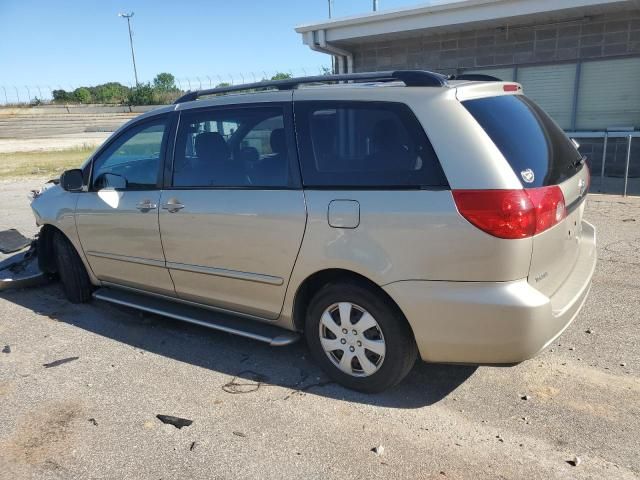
30	94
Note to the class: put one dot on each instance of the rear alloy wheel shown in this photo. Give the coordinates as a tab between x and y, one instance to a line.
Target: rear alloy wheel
359	339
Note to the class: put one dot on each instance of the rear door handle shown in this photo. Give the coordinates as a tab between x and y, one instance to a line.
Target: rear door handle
146	205
172	206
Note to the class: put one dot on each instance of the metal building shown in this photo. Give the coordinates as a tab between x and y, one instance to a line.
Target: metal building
579	59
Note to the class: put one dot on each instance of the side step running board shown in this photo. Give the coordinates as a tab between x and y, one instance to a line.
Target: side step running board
274	336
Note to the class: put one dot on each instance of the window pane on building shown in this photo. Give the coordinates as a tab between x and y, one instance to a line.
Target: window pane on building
551	87
609	94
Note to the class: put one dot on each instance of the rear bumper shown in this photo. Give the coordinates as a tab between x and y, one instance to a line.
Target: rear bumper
493	322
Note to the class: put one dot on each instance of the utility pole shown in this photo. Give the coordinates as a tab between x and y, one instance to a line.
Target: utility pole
330	8
133	56
375	5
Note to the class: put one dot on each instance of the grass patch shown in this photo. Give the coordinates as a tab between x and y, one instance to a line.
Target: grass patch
53	163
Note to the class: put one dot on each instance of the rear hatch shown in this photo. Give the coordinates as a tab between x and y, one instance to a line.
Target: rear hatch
546	162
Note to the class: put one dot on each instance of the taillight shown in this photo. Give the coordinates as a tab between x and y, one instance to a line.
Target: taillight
550	207
512	213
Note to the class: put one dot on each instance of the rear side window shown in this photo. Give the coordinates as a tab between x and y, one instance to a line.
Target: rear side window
537	149
364	145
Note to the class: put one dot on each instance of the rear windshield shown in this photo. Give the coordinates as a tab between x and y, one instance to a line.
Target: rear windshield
536	148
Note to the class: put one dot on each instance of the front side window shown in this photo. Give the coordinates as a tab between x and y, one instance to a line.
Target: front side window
133	160
364	144
232	147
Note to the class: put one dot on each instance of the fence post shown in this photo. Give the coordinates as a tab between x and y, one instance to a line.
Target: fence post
17	94
604	158
6	99
626	168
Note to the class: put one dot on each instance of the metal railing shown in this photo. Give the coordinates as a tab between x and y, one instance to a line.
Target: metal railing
606	135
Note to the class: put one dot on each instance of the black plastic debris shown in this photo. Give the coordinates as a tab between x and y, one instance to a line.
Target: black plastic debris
575	461
21	270
6	349
93	421
175	421
59	362
12	241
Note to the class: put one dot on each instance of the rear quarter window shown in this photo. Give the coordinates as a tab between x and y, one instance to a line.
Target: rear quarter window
364	145
537	149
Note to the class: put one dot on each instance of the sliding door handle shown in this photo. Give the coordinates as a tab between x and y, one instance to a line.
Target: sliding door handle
172	206
146	205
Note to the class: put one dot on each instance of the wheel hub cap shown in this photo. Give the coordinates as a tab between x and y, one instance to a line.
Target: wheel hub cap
352	339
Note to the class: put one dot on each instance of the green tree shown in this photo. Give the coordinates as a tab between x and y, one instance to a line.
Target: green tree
62	96
281	76
164	82
82	95
223	84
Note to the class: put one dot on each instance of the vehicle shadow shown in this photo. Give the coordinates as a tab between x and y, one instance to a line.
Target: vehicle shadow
249	365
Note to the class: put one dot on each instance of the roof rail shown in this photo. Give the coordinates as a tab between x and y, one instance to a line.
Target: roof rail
411	78
475	77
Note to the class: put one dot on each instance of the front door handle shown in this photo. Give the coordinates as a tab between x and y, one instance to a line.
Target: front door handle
146	205
173	206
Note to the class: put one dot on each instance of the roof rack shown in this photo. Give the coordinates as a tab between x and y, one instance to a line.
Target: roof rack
411	78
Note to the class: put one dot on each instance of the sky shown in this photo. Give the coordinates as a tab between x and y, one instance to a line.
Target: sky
67	43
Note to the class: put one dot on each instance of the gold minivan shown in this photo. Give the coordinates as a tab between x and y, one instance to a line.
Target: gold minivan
383	216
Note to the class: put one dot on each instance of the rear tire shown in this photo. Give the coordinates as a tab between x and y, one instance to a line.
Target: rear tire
378	343
75	280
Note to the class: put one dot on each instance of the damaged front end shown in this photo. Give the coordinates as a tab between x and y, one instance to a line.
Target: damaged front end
24	268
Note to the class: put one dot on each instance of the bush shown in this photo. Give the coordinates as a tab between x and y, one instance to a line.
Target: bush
62	96
112	92
82	95
143	94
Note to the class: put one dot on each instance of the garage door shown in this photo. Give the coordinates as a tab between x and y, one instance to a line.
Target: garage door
551	87
609	94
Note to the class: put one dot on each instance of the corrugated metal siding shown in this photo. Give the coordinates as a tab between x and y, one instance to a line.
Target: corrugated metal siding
609	94
551	87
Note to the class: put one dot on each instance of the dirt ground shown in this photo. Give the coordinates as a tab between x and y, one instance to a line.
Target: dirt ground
262	412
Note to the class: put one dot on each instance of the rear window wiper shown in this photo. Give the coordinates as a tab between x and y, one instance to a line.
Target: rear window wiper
580	161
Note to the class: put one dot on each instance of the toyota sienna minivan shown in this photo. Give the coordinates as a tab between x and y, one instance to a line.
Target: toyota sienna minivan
383	216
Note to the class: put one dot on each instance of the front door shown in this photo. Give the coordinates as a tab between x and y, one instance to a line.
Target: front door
117	219
233	215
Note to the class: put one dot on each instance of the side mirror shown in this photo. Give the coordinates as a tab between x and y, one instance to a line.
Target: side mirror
72	180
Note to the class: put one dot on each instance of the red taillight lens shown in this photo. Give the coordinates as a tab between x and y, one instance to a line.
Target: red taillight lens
512	213
501	213
550	207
